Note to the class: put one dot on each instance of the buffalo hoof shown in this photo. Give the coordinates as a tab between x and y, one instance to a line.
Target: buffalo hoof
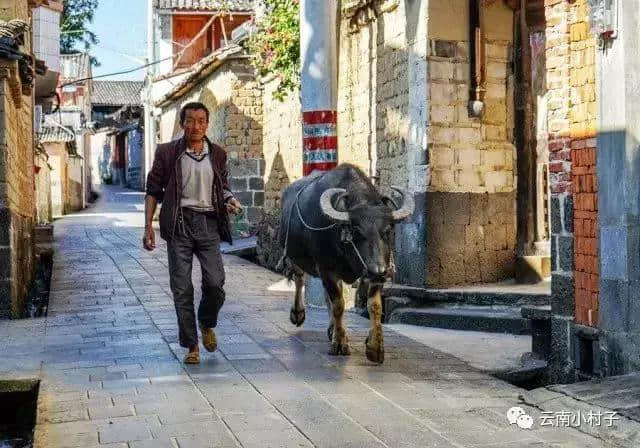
340	349
339	342
375	351
297	317
330	332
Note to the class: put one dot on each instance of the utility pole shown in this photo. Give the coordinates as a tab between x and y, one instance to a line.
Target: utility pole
318	58
149	120
318	94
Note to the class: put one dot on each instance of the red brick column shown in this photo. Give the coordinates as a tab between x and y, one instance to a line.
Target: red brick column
585	224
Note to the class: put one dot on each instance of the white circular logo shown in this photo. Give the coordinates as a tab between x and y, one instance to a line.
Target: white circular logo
525	422
513	414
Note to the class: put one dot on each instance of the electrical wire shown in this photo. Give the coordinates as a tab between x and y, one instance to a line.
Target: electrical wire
117	73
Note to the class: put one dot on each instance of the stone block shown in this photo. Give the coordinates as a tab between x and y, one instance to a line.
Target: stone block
243	167
493	158
256	183
568	213
254	214
468	157
565	253
470	135
496	70
562	295
442	178
245	197
238	183
497	179
443	94
5	226
258	199
556	215
444	48
614	305
442	114
468	178
560	364
441	70
442	157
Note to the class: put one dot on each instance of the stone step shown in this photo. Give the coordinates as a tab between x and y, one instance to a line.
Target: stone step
507	293
495	319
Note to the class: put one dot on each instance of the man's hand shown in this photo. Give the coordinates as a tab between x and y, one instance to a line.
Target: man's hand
233	206
149	238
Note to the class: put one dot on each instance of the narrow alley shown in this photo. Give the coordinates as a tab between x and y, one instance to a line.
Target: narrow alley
111	374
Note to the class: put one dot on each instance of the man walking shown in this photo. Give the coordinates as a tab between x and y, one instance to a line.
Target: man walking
189	177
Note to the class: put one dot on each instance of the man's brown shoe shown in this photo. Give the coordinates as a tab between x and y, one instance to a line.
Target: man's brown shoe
209	339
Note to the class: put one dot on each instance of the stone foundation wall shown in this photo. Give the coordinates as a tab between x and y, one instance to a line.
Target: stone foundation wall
470	237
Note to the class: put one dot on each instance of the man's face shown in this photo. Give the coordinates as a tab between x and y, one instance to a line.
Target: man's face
195	124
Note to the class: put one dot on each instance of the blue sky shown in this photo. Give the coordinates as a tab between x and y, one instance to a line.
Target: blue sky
121	29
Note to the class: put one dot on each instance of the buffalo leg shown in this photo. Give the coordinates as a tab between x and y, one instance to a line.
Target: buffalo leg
339	339
375	341
297	314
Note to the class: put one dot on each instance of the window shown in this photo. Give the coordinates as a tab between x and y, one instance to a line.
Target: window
185	28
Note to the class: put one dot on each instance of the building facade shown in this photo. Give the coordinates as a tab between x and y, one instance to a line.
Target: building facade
17	156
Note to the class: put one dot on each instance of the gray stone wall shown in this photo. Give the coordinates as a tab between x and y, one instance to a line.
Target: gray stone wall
247	184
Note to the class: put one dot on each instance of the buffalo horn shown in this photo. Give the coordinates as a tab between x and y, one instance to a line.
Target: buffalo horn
328	209
407	207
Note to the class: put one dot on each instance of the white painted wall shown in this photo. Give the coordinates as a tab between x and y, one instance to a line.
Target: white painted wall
46	37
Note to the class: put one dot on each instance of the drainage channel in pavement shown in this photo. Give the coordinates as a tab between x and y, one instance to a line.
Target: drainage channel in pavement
19	399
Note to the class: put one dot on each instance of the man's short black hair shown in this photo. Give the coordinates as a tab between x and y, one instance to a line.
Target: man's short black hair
192	106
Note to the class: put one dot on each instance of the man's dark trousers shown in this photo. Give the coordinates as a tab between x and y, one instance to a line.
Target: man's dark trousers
196	234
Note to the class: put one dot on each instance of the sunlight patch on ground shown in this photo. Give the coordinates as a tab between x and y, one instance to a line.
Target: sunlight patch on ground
282	285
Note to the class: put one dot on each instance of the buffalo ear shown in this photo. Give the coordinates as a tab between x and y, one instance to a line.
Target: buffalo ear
340	202
389	202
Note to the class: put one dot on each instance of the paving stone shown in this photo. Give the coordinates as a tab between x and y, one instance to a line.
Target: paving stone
102	412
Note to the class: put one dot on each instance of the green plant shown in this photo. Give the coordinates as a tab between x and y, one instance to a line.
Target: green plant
275	45
77	16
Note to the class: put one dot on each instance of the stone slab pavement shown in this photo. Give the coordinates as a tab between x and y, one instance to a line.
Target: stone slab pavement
111	372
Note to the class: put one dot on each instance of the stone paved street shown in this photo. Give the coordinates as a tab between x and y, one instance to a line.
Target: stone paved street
112	375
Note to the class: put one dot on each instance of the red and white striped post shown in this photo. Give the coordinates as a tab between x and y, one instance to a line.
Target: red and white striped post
318	95
318	90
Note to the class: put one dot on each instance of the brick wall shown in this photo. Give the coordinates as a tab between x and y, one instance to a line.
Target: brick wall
585	230
572	128
234	99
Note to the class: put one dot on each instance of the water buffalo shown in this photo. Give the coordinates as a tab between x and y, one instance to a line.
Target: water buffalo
338	226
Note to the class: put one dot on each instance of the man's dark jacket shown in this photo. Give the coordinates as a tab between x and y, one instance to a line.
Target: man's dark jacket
164	183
